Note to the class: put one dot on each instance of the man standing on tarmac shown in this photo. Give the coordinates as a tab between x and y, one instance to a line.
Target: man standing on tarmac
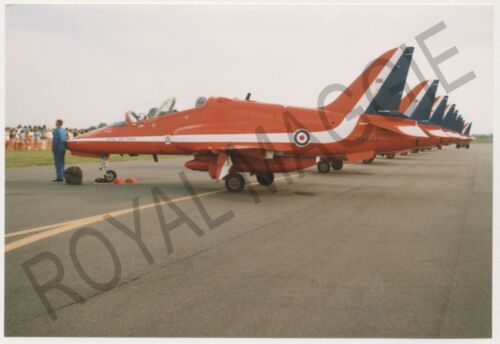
59	149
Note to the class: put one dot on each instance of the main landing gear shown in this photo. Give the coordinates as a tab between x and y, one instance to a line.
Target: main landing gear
368	161
390	155
265	178
235	182
337	164
109	175
324	166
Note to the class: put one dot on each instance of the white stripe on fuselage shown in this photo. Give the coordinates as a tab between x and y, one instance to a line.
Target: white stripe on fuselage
339	133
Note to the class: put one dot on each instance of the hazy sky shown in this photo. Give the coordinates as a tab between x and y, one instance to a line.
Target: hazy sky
90	63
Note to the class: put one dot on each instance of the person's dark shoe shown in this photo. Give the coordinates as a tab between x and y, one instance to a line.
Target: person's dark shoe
58	180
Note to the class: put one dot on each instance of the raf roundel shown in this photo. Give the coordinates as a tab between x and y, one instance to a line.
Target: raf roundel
301	137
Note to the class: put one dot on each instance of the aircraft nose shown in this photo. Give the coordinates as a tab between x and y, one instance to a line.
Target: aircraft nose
70	144
79	143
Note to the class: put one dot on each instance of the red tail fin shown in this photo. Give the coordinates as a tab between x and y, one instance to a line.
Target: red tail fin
411	96
377	72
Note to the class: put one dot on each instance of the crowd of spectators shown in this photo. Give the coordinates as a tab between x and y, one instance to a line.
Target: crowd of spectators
34	137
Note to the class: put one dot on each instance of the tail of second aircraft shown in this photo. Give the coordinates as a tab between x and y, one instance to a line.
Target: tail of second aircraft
410	100
379	88
422	100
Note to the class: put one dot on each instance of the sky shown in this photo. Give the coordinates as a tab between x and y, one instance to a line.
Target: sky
89	64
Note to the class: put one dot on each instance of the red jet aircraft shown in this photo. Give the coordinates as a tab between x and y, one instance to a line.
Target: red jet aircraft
231	136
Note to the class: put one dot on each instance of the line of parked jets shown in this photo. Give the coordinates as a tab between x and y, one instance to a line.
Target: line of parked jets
228	137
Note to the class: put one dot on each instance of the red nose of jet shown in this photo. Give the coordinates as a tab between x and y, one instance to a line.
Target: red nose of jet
87	144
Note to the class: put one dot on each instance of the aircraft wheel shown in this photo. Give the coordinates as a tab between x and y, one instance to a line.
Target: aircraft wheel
368	161
415	151
390	155
458	146
323	166
265	178
337	164
234	182
467	146
440	147
110	175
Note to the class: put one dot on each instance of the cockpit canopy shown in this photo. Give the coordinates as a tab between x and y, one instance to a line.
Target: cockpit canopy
165	108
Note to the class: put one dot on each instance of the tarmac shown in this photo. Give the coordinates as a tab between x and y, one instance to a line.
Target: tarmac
398	248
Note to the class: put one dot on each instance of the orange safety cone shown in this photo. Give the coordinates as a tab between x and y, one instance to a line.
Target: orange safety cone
131	180
119	181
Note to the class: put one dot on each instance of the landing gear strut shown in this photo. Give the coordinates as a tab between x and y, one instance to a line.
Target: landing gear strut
234	182
109	175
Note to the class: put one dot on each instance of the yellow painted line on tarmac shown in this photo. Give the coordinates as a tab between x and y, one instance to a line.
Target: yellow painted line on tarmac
44	232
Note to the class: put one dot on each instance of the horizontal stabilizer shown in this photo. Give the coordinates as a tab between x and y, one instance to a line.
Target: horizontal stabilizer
396	126
437	133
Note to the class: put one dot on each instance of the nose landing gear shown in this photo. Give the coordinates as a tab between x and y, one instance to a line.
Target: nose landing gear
109	175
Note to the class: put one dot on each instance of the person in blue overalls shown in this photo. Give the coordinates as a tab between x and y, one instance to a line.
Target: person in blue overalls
59	150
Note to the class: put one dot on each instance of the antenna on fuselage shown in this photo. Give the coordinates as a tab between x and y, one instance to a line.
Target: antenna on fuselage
248	96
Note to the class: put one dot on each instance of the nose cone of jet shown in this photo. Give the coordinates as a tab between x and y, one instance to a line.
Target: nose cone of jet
83	142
